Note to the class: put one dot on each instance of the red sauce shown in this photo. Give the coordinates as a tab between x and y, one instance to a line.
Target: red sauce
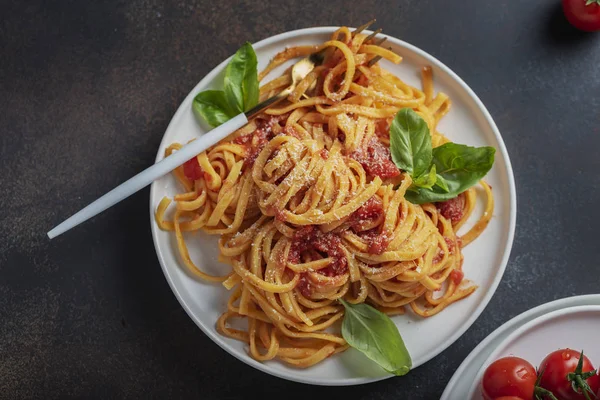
452	209
192	170
450	243
457	276
376	160
348	95
310	238
324	154
382	127
243	139
377	242
277	212
438	257
440	254
304	285
281	179
290	131
369	212
334	59
362	80
259	139
336	84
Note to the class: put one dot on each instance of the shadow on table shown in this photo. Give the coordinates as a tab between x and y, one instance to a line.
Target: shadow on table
172	338
559	32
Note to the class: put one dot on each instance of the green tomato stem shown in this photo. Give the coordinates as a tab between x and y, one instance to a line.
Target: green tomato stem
578	378
540	392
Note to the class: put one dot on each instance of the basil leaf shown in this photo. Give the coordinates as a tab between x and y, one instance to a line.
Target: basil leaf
374	334
441	183
241	79
410	142
460	166
426	180
212	106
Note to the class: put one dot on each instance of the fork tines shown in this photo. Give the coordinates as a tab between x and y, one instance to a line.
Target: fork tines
372	38
363	27
372	35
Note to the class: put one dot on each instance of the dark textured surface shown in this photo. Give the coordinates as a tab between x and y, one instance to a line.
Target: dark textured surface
86	92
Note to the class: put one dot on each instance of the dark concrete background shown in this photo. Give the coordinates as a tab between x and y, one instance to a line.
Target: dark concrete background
86	92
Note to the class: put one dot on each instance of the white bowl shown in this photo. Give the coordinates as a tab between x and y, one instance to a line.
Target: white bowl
468	122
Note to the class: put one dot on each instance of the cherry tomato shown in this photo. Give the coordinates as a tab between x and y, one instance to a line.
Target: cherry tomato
583	14
556	368
510	398
510	377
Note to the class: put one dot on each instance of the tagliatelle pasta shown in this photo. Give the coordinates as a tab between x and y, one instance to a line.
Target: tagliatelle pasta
310	208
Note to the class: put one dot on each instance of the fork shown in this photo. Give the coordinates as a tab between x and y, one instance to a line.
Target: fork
299	71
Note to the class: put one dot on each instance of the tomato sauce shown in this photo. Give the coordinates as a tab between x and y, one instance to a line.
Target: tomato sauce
369	212
243	139
310	238
382	128
276	212
450	243
376	160
304	285
256	140
192	170
324	154
438	257
452	209
457	276
377	242
362	80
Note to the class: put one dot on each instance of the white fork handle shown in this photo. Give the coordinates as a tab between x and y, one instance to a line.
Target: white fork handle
150	174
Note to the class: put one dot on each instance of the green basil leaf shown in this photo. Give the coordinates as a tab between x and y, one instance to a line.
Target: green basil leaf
211	105
374	334
441	183
241	80
426	180
460	166
410	142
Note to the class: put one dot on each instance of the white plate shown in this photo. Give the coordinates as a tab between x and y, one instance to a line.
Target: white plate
468	122
573	327
460	383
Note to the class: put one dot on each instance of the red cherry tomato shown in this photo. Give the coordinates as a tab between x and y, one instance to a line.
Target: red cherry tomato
583	14
510	398
510	377
556	368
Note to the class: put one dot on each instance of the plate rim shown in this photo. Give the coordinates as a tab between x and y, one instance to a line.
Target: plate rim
512	214
527	326
524	317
